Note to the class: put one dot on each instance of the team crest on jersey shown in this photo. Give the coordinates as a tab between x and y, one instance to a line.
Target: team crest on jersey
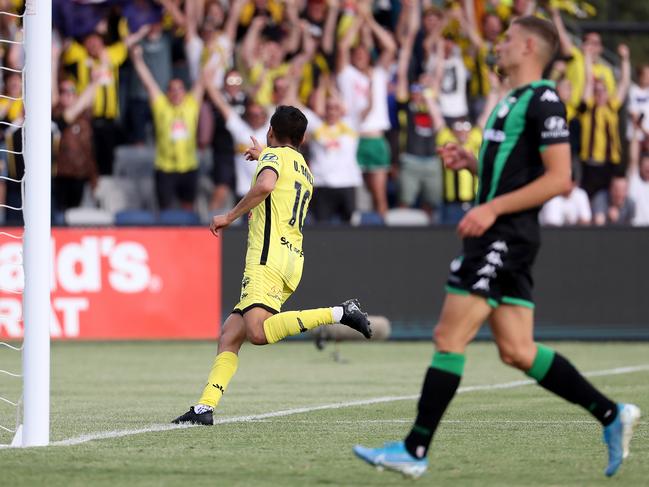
269	157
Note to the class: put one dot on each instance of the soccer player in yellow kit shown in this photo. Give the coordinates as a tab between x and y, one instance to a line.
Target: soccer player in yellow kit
278	201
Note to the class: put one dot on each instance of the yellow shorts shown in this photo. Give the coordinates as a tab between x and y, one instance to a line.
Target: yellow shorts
262	287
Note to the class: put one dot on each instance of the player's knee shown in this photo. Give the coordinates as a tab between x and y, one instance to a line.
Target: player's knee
256	335
231	340
516	356
442	338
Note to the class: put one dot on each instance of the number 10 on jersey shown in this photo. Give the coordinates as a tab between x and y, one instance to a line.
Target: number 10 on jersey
302	205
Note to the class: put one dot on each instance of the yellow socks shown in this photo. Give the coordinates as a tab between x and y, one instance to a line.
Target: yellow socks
224	368
275	328
288	323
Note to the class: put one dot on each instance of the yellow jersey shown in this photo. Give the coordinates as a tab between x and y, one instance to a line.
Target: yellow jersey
600	133
275	225
77	60
265	80
576	73
175	130
14	108
460	186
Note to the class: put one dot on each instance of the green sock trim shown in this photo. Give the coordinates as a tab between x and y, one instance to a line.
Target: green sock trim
450	362
542	362
421	430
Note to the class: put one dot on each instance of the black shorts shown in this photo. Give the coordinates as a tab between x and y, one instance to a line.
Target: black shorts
595	178
223	159
331	204
496	269
172	186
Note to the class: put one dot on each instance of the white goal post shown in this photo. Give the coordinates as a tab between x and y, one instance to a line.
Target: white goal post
37	214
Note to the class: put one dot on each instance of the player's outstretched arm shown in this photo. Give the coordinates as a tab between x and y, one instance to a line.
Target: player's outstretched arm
555	181
264	185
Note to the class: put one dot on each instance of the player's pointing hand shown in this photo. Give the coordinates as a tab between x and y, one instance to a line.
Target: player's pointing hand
252	152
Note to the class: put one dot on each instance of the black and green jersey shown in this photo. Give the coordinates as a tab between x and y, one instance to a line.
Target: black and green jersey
521	125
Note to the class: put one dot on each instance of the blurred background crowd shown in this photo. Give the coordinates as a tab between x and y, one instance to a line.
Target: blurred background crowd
155	101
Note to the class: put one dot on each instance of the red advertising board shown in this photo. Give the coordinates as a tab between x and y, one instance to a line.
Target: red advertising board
144	283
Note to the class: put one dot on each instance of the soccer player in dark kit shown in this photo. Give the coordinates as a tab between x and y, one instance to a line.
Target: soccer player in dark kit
523	162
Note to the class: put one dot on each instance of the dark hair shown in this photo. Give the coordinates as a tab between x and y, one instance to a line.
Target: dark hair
640	68
543	29
433	10
289	125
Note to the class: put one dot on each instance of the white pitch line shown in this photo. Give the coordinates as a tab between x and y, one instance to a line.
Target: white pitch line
338	405
452	421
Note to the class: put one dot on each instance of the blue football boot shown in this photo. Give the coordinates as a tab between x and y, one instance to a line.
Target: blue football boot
617	436
393	456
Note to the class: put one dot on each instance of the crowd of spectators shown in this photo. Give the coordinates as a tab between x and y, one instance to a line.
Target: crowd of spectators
170	92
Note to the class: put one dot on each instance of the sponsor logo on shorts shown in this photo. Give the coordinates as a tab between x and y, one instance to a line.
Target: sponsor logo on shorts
275	293
500	246
482	284
494	258
456	264
487	270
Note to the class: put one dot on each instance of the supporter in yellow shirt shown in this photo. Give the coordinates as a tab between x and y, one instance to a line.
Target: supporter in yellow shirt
575	67
459	186
175	118
81	60
11	101
601	150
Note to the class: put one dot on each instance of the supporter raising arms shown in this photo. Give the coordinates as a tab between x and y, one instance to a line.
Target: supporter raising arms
73	151
420	171
601	150
265	48
363	86
254	123
175	119
333	147
92	54
210	37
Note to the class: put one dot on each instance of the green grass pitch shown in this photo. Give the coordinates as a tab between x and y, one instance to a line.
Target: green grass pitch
521	436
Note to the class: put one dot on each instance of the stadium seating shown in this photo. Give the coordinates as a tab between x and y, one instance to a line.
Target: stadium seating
367	218
178	217
406	217
88	216
133	170
135	218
